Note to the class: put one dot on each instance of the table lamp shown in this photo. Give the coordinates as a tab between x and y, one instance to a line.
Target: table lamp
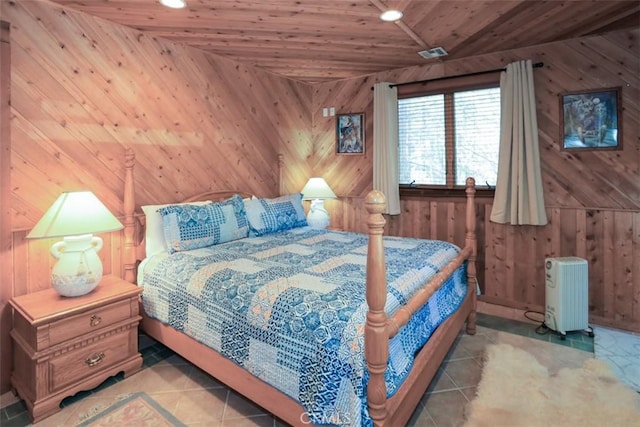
75	216
317	190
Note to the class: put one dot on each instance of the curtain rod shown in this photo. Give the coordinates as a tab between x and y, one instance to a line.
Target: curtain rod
535	65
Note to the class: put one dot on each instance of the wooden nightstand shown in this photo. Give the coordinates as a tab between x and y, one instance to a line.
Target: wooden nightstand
66	345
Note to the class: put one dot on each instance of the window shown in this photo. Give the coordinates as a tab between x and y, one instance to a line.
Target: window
446	137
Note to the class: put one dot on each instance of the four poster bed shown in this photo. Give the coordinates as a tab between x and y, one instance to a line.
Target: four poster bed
280	314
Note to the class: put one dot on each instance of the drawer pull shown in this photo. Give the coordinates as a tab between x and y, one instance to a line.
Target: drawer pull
95	320
94	360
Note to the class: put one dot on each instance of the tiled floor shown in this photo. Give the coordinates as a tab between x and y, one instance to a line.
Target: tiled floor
198	400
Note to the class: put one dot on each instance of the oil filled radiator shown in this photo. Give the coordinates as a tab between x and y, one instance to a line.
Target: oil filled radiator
567	295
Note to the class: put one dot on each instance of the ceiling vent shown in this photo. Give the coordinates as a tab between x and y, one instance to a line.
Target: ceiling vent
433	53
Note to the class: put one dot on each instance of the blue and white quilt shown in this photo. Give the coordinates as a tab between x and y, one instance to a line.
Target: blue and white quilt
290	308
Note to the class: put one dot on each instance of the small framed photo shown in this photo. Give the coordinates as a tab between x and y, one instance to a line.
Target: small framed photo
350	133
591	120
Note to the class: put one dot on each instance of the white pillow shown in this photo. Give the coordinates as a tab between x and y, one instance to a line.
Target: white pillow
154	231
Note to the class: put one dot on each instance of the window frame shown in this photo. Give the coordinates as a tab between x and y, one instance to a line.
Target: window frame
447	86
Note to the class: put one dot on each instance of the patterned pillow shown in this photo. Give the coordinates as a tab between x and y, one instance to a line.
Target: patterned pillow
154	230
189	227
270	215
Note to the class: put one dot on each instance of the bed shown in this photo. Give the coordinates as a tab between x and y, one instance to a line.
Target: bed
368	353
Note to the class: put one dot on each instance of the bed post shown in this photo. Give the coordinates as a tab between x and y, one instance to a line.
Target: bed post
376	337
129	218
471	241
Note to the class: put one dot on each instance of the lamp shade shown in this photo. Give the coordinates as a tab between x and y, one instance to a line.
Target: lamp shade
75	213
75	216
317	188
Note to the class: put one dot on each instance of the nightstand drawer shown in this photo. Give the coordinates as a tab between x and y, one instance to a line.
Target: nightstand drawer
86	361
89	321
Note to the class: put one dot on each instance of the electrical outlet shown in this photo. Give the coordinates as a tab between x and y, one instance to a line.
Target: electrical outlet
325	112
332	111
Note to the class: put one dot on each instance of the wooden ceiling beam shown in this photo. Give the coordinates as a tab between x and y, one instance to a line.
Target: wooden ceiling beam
404	27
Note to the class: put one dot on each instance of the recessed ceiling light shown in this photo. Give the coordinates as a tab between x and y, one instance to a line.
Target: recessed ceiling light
391	15
174	4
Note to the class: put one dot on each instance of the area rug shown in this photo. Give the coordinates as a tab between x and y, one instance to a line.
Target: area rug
621	351
137	410
516	390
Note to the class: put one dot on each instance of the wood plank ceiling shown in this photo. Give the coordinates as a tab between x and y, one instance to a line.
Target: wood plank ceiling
315	41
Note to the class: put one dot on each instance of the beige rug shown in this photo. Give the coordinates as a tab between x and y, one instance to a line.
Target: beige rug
136	410
516	390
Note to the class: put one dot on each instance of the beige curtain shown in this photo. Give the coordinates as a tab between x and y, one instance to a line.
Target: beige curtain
385	145
519	198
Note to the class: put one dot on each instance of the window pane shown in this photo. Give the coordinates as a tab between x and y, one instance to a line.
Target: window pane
421	140
477	135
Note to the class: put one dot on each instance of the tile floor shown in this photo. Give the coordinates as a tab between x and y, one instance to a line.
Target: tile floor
198	400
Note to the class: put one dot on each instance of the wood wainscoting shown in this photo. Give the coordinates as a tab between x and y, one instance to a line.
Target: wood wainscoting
511	258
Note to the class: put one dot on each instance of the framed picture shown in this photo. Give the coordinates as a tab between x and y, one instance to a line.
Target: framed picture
591	120
350	133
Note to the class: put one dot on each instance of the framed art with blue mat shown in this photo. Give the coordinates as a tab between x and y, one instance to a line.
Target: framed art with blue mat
138	410
591	119
350	133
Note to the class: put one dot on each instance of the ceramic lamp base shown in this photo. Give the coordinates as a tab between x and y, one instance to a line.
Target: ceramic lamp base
318	217
73	286
79	269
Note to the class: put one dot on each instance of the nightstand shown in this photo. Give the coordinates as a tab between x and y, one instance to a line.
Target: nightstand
66	345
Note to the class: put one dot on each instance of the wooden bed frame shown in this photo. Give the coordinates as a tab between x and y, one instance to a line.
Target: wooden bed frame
378	328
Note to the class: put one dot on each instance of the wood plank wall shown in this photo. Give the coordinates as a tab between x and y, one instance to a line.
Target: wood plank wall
6	266
592	198
83	90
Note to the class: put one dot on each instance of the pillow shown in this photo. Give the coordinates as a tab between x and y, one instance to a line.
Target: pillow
189	227
270	215
154	233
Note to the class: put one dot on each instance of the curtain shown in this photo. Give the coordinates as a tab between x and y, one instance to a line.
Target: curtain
385	145
519	198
